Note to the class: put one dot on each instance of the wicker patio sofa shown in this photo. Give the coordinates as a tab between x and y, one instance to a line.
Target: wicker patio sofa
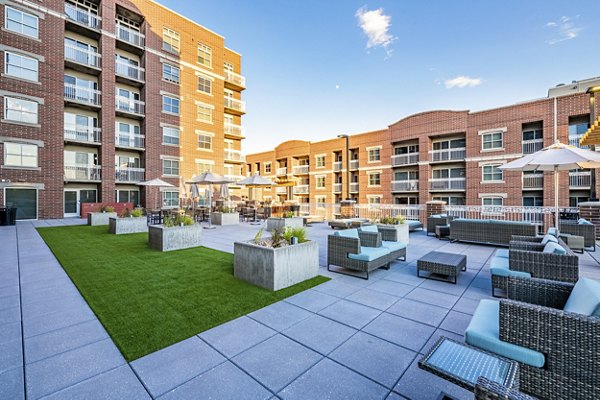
489	231
486	389
436	220
552	329
587	230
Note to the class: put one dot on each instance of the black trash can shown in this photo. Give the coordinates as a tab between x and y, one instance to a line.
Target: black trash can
3	216
12	216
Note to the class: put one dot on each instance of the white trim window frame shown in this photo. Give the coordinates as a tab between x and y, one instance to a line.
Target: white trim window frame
21	22
204	84
205	140
170	198
320	201
269	165
21	110
376	178
171	40
376	197
490	173
170	135
492	205
170	167
204	55
320	160
21	66
171	73
170	104
320	182
204	112
492	140
374	154
21	155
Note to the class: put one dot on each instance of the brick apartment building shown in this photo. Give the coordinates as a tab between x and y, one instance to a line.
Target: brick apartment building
439	155
99	95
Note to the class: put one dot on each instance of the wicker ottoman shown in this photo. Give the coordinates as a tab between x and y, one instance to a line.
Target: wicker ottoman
575	243
442	231
439	263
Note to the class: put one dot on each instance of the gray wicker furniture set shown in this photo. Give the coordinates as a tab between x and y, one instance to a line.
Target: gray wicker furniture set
488	231
587	230
435	220
440	263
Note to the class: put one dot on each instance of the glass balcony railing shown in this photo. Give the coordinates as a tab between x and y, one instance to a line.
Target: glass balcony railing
130	71
130	36
82	172
449	154
82	133
130	140
300	169
82	56
447	184
82	94
411	185
404	159
82	16
127	174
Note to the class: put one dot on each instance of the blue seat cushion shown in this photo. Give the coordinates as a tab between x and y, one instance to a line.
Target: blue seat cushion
502	253
369	228
499	266
554	248
549	238
369	253
553	231
351	233
585	298
393	246
411	222
484	332
583	221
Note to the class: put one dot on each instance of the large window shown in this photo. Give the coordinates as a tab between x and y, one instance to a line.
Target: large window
533	201
170	135
205	55
374	179
375	199
267	168
205	112
492	140
170	199
170	104
492	201
320	161
320	182
21	22
20	155
20	110
203	166
171	40
24	200
171	73
170	167
127	196
205	141
491	173
21	66
204	84
374	154
406	175
320	201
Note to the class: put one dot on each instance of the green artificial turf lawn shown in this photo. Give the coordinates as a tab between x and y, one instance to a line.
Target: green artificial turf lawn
148	300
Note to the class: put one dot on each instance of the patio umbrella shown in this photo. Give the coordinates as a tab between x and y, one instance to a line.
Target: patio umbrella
155	183
224	192
557	157
184	192
255	181
208	178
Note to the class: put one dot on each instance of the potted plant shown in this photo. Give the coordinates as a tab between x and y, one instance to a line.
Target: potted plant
282	260
128	222
101	216
176	233
287	220
397	223
225	216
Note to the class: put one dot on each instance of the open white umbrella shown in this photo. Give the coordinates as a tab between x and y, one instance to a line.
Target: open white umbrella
208	178
557	157
255	181
155	183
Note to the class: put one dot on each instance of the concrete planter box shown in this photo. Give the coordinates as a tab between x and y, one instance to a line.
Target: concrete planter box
174	238
120	226
278	223
100	218
218	218
401	231
275	269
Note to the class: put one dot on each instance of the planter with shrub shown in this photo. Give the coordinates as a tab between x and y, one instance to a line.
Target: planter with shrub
176	233
225	216
129	222
102	216
288	220
396	223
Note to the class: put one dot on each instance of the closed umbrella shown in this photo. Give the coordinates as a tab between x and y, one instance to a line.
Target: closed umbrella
155	183
224	192
208	178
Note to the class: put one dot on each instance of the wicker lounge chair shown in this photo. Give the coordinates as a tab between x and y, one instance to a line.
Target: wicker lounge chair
587	230
389	240
489	390
436	220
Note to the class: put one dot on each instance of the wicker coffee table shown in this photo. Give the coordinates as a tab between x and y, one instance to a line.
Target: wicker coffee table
439	263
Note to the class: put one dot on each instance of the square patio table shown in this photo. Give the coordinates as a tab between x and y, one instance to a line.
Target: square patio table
437	262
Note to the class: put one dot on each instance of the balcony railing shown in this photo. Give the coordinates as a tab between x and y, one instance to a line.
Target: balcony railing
531	146
82	172
82	133
281	171
301	189
82	94
300	169
337	188
337	166
129	174
82	56
353	187
129	70
404	159
574	141
353	164
82	16
234	78
281	190
411	185
131	106
234	129
235	104
130	36
447	184
130	140
234	155
580	179
448	154
533	181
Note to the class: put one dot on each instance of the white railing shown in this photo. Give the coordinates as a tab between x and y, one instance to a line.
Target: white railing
353	164
129	35
82	133
129	174
574	141
448	154
337	166
404	159
411	185
234	155
82	94
531	146
234	78
129	70
301	189
337	188
128	105
281	189
377	211
234	129
353	187
447	184
300	169
533	181
82	16
82	172
235	104
326	210
130	140
281	171
86	57
580	179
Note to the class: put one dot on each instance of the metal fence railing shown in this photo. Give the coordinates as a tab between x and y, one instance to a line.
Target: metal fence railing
377	211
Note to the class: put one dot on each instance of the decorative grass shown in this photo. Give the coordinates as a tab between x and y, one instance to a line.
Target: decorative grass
148	300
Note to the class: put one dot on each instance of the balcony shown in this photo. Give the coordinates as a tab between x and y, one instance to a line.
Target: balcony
531	146
129	39
234	81
129	73
300	170
301	189
82	134
405	159
337	166
82	19
353	187
337	188
234	106
580	180
574	141
86	61
281	190
458	154
411	185
129	107
82	173
234	156
447	184
129	175
281	171
353	165
233	131
82	95
132	141
533	181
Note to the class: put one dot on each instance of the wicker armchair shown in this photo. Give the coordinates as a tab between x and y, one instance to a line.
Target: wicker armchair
432	222
338	248
489	390
586	230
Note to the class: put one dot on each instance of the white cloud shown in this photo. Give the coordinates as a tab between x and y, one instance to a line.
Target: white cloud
462	81
375	24
565	29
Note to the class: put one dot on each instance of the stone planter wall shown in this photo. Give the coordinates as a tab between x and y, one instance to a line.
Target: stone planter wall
278	223
218	218
402	232
174	238
120	226
100	218
275	269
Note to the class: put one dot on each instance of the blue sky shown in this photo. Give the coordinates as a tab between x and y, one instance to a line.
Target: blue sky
310	74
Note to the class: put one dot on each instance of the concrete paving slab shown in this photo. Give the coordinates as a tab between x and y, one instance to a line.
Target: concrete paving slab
235	336
320	334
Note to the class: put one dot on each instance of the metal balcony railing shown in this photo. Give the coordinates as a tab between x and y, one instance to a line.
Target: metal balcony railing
130	140
337	188
574	141
234	155
448	184
82	94
353	187
128	105
533	181
281	190
531	146
235	104
130	36
404	159
411	185
449	154
82	56
82	133
353	164
282	171
580	179
301	189
82	172
129	174
129	70
300	169
234	78
234	129
82	16
337	166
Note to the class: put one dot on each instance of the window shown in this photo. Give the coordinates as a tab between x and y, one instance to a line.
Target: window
320	161
320	201
171	40
406	175
21	22
20	110
492	140
20	155
170	199
205	140
21	66
492	201
171	73
374	154
533	201
170	104
204	84
320	182
451	200
125	162
374	199
205	112
127	196
492	173
170	167
202	167
24	200
375	179
533	134
406	149
170	135
205	55
448	173
267	168
450	144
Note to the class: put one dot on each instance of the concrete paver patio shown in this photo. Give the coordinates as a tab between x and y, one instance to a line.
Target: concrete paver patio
347	338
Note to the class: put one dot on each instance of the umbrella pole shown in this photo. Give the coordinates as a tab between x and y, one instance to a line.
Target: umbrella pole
210	226
556	197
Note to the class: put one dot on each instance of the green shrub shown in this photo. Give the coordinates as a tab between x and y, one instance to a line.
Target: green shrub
288	214
137	213
178	220
397	220
299	233
107	209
